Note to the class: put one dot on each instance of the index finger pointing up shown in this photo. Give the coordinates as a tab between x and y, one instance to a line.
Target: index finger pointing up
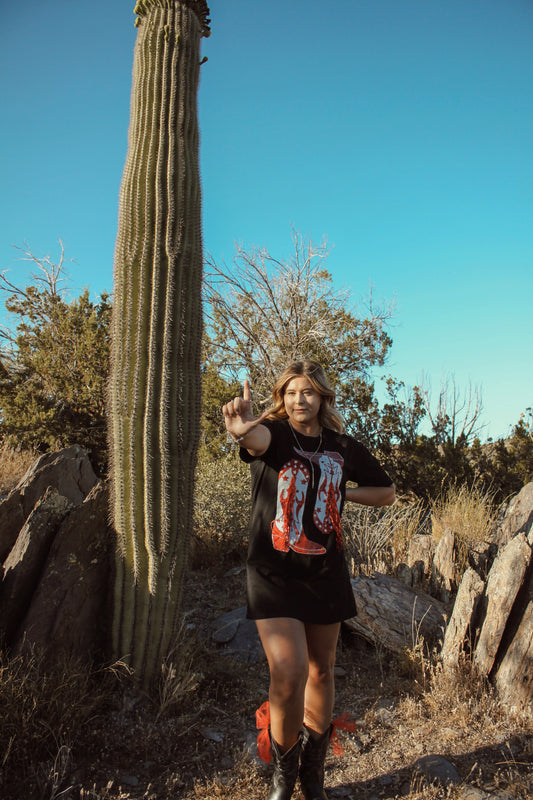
246	391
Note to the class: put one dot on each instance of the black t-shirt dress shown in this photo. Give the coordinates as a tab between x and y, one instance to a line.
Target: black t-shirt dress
296	566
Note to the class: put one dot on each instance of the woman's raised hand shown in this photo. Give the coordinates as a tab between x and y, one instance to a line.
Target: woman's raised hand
238	414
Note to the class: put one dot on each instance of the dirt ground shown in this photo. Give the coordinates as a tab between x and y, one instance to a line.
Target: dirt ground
197	740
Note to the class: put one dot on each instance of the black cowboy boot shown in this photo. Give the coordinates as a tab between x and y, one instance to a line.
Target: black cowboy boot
285	771
312	760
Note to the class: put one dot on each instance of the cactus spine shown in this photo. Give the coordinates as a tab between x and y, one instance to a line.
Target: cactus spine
154	389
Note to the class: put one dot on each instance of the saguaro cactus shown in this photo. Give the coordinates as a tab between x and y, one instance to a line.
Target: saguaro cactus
154	390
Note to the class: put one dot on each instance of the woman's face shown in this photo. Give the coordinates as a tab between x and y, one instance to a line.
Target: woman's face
302	404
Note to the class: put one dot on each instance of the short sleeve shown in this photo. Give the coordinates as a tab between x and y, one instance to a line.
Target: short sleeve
364	469
245	455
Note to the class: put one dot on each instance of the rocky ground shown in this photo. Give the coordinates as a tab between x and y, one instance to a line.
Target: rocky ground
196	741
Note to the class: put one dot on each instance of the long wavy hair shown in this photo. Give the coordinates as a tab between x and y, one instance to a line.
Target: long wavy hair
328	416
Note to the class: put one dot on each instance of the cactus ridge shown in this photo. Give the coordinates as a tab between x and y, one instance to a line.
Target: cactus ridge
154	390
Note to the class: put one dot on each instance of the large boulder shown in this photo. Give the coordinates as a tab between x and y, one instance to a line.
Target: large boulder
460	632
493	619
518	517
503	585
68	470
69	612
23	567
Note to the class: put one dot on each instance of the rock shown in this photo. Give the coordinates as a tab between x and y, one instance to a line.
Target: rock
238	635
461	627
498	616
473	793
443	569
404	574
385	711
481	556
212	735
514	678
437	769
420	556
25	563
250	745
67	610
69	471
385	716
503	584
518	517
394	615
227	627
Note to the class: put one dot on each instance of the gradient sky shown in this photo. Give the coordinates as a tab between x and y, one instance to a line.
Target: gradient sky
400	130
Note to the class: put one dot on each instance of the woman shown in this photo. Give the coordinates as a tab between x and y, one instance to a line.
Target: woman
298	583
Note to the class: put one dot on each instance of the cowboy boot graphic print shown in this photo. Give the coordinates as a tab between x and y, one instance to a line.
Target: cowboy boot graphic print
287	528
326	515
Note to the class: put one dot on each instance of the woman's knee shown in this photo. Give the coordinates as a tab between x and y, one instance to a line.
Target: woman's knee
288	677
321	672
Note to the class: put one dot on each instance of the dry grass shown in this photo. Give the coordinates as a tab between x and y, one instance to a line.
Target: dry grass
42	708
14	464
179	674
378	538
459	713
198	744
470	513
71	733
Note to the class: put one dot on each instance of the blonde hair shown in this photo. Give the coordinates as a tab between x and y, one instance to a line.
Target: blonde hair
328	416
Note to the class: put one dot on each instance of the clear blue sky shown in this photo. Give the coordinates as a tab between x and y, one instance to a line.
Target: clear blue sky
401	130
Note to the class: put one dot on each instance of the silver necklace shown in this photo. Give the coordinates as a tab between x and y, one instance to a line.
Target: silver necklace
309	458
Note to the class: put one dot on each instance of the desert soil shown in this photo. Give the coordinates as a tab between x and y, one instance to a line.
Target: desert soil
203	746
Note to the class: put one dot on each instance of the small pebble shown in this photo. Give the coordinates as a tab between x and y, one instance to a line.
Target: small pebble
209	733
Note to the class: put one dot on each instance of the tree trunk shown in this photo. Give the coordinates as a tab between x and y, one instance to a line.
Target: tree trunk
154	396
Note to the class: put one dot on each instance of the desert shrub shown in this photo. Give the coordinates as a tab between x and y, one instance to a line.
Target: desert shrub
222	510
53	363
378	538
470	513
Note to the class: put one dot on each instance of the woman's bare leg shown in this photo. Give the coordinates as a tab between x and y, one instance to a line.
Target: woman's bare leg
320	688
285	644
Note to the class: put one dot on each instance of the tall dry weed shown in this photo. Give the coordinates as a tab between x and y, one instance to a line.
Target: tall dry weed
470	513
471	700
378	538
14	464
179	673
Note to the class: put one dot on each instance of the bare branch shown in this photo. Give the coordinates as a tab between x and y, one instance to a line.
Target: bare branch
456	415
263	312
49	274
